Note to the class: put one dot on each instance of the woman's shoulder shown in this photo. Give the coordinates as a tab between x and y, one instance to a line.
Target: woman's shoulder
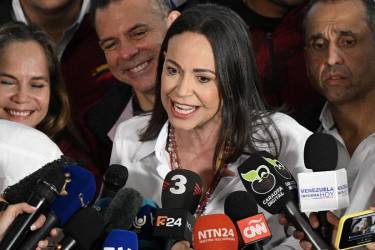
132	128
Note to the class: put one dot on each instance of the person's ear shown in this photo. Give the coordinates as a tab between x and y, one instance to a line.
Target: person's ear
172	16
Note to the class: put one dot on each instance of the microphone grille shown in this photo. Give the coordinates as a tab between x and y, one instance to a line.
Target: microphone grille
239	205
116	176
320	153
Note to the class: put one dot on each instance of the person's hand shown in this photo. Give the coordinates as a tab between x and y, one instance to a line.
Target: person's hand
7	217
314	222
54	236
182	245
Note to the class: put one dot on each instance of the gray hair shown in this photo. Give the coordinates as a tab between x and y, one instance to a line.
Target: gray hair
369	8
162	6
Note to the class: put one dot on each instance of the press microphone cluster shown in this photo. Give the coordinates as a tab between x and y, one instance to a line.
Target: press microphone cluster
275	190
78	191
42	196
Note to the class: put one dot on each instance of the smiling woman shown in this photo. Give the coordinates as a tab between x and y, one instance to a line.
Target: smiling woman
32	91
208	115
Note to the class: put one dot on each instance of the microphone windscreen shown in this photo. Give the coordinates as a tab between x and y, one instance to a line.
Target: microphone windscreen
320	153
85	227
121	239
182	188
22	190
115	177
239	205
80	189
214	231
122	210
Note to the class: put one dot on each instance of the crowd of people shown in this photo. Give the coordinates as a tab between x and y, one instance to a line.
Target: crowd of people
199	85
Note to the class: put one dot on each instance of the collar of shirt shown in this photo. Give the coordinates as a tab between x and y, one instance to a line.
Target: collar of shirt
360	160
19	15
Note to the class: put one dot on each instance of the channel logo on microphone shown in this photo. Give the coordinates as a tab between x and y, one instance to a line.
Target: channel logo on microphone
254	228
166	221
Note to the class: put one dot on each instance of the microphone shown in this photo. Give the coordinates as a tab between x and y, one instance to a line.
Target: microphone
121	239
32	241
114	179
180	196
215	231
82	230
80	191
325	188
123	208
143	226
44	193
274	189
77	193
22	190
242	208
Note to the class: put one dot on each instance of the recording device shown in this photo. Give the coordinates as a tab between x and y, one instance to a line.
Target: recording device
43	194
78	191
356	229
242	208
122	209
121	239
215	231
32	241
181	192
274	189
324	189
21	191
143	226
114	179
82	230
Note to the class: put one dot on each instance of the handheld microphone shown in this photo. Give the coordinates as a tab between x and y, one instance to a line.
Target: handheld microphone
32	241
215	231
44	193
77	193
114	179
143	226
22	190
242	208
324	189
121	239
123	208
181	193
274	189
82	230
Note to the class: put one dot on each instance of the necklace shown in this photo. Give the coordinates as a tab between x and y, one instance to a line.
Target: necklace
175	164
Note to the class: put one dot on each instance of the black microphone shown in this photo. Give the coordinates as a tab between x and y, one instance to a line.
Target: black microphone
242	208
43	195
22	190
274	189
32	241
321	160
181	192
114	179
82	230
122	210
